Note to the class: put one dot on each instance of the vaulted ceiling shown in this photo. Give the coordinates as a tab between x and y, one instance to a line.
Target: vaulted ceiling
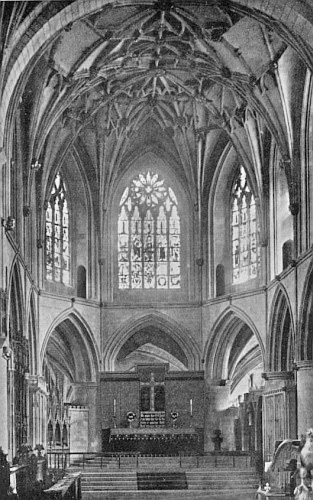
157	75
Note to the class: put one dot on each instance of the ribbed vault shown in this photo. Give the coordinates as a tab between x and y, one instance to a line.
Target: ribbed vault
111	76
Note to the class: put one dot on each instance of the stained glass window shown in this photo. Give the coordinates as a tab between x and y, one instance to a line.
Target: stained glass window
148	235
57	234
245	231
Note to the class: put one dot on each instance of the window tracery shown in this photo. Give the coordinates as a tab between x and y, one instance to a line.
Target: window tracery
149	235
57	234
244	229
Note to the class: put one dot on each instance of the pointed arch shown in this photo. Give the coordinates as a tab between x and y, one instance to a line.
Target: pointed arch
166	325
282	345
232	324
57	233
16	310
70	338
32	335
18	364
305	347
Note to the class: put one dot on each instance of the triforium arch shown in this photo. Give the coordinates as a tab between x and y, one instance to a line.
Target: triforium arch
188	350
232	331
305	348
282	347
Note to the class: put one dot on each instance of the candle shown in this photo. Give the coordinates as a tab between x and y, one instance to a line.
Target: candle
114	407
191	407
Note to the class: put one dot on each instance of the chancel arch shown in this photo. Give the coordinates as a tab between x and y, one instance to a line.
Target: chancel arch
158	333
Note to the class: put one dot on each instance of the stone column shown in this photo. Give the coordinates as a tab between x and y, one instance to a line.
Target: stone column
304	392
4	400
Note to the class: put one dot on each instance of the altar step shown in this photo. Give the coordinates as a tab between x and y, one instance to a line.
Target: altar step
196	484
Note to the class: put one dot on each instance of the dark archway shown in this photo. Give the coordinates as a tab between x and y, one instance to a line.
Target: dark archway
220	280
81	282
160	335
287	253
151	344
282	339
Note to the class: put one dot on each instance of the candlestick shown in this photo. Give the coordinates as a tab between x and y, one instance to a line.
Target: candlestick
191	407
114	407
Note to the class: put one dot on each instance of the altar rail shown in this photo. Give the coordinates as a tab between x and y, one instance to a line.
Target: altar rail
234	459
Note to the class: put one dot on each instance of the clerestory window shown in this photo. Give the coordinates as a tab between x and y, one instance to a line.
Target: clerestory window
245	231
149	235
57	255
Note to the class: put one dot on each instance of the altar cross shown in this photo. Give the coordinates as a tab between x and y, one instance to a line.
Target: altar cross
152	384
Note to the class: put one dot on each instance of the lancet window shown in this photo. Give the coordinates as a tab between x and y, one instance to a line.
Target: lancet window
244	230
57	234
149	235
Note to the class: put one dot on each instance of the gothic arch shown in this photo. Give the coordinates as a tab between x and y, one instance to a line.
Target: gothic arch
70	338
231	324
281	351
168	326
219	217
306	320
143	163
32	334
16	308
306	153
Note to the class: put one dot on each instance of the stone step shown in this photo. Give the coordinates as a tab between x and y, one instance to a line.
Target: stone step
244	494
194	472
130	485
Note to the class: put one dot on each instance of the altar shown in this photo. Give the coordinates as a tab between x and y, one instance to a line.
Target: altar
152	411
154	441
